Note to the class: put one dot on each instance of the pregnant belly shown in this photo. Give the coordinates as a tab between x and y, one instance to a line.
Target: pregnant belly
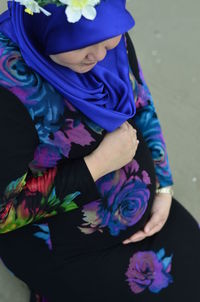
124	206
126	198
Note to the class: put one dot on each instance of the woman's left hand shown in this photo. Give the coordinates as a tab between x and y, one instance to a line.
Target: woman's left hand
159	214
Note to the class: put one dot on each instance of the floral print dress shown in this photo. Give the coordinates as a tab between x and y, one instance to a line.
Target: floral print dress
61	232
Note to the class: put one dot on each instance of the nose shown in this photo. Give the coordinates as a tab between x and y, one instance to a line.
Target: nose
98	53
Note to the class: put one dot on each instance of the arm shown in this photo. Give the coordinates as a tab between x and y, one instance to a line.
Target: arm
24	196
147	120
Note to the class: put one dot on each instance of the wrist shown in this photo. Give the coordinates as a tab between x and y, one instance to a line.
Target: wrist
93	166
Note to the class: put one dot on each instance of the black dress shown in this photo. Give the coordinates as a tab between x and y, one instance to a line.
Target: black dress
62	233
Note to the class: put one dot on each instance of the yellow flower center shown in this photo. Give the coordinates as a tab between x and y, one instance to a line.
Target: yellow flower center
80	4
27	10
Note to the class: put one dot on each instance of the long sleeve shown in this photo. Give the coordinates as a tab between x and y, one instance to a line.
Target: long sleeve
147	120
26	196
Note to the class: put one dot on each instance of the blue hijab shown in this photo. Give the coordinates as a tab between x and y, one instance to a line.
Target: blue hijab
103	94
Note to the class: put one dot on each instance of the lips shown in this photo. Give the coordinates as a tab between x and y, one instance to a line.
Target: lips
89	64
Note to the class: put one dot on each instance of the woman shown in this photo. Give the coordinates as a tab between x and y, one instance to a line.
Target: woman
86	202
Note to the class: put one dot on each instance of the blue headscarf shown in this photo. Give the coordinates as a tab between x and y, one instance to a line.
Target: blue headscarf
103	94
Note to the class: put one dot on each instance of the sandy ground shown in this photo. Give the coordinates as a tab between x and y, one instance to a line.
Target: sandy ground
167	42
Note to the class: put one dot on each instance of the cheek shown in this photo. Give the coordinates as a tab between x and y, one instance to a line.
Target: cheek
72	59
114	42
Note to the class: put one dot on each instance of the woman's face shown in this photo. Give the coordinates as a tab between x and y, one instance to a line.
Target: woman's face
83	60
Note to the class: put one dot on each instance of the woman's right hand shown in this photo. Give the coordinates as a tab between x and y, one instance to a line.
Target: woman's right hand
117	149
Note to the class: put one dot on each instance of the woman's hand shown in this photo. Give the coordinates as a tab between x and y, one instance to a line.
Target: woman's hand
117	149
159	214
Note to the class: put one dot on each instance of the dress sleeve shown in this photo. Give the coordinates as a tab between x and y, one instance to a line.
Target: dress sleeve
147	120
25	197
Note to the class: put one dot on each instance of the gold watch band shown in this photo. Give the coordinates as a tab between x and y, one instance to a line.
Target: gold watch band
165	190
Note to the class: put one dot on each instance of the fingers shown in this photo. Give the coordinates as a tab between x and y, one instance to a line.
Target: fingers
154	221
155	229
125	125
153	226
130	126
136	237
133	132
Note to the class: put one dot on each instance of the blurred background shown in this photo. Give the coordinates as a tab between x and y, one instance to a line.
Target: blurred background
167	43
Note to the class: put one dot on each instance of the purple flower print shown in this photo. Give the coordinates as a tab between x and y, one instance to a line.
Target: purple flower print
48	154
73	132
150	270
125	195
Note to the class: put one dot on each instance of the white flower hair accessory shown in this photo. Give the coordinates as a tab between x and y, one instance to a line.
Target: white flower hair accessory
33	7
75	9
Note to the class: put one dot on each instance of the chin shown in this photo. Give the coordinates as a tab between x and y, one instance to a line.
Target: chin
84	69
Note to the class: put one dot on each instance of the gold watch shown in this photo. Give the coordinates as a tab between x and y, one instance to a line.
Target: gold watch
165	190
